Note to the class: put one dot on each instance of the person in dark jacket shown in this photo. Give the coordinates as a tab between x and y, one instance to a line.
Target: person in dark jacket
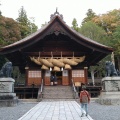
55	80
51	79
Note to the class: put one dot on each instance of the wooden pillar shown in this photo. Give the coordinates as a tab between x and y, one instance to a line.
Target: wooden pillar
86	74
26	74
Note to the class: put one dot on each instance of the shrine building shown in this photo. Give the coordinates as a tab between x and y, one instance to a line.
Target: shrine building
55	49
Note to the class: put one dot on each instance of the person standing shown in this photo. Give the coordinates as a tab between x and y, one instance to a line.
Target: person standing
52	79
84	100
55	80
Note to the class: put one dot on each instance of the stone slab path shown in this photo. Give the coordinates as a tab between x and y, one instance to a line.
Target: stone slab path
55	110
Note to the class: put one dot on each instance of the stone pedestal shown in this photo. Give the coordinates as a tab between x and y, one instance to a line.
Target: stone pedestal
7	95
110	94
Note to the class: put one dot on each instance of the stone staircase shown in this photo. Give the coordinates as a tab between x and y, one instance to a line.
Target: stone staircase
57	92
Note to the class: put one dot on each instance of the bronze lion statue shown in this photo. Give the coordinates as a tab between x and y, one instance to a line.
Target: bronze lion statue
6	70
110	69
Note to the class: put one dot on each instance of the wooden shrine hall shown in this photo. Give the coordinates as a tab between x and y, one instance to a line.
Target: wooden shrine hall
57	49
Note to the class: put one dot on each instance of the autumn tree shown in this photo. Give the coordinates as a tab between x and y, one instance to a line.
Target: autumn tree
108	21
9	31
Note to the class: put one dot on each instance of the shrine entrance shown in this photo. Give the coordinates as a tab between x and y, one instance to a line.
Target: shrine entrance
58	76
63	77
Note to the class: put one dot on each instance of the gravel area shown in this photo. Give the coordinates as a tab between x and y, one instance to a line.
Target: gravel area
104	112
96	111
14	113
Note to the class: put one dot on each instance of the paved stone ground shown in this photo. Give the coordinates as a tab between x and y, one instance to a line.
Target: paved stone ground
96	111
55	110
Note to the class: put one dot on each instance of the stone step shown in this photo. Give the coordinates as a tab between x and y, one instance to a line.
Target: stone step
53	100
58	92
57	96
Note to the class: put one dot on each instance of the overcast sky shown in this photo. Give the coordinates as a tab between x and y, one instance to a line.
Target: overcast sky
42	9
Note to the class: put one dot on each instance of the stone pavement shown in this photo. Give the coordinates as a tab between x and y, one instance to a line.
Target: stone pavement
55	110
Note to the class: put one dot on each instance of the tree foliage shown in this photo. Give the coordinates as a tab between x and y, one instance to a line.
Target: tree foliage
94	32
12	31
115	43
9	31
26	26
90	15
2	61
108	21
75	25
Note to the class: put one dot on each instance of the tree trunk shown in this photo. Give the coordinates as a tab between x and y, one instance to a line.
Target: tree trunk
118	59
92	75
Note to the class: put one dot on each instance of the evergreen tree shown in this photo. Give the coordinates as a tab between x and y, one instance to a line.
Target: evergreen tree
0	11
94	32
90	14
115	43
25	25
75	25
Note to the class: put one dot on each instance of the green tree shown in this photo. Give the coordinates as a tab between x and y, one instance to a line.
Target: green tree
75	25
2	61
115	43
0	10
90	15
99	69
26	27
96	33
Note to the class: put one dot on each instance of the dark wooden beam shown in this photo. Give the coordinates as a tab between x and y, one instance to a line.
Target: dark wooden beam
56	54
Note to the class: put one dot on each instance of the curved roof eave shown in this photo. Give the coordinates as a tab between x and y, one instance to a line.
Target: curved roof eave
88	40
78	35
27	38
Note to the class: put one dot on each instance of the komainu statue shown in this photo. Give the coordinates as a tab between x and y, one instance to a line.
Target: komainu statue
118	72
110	69
6	70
